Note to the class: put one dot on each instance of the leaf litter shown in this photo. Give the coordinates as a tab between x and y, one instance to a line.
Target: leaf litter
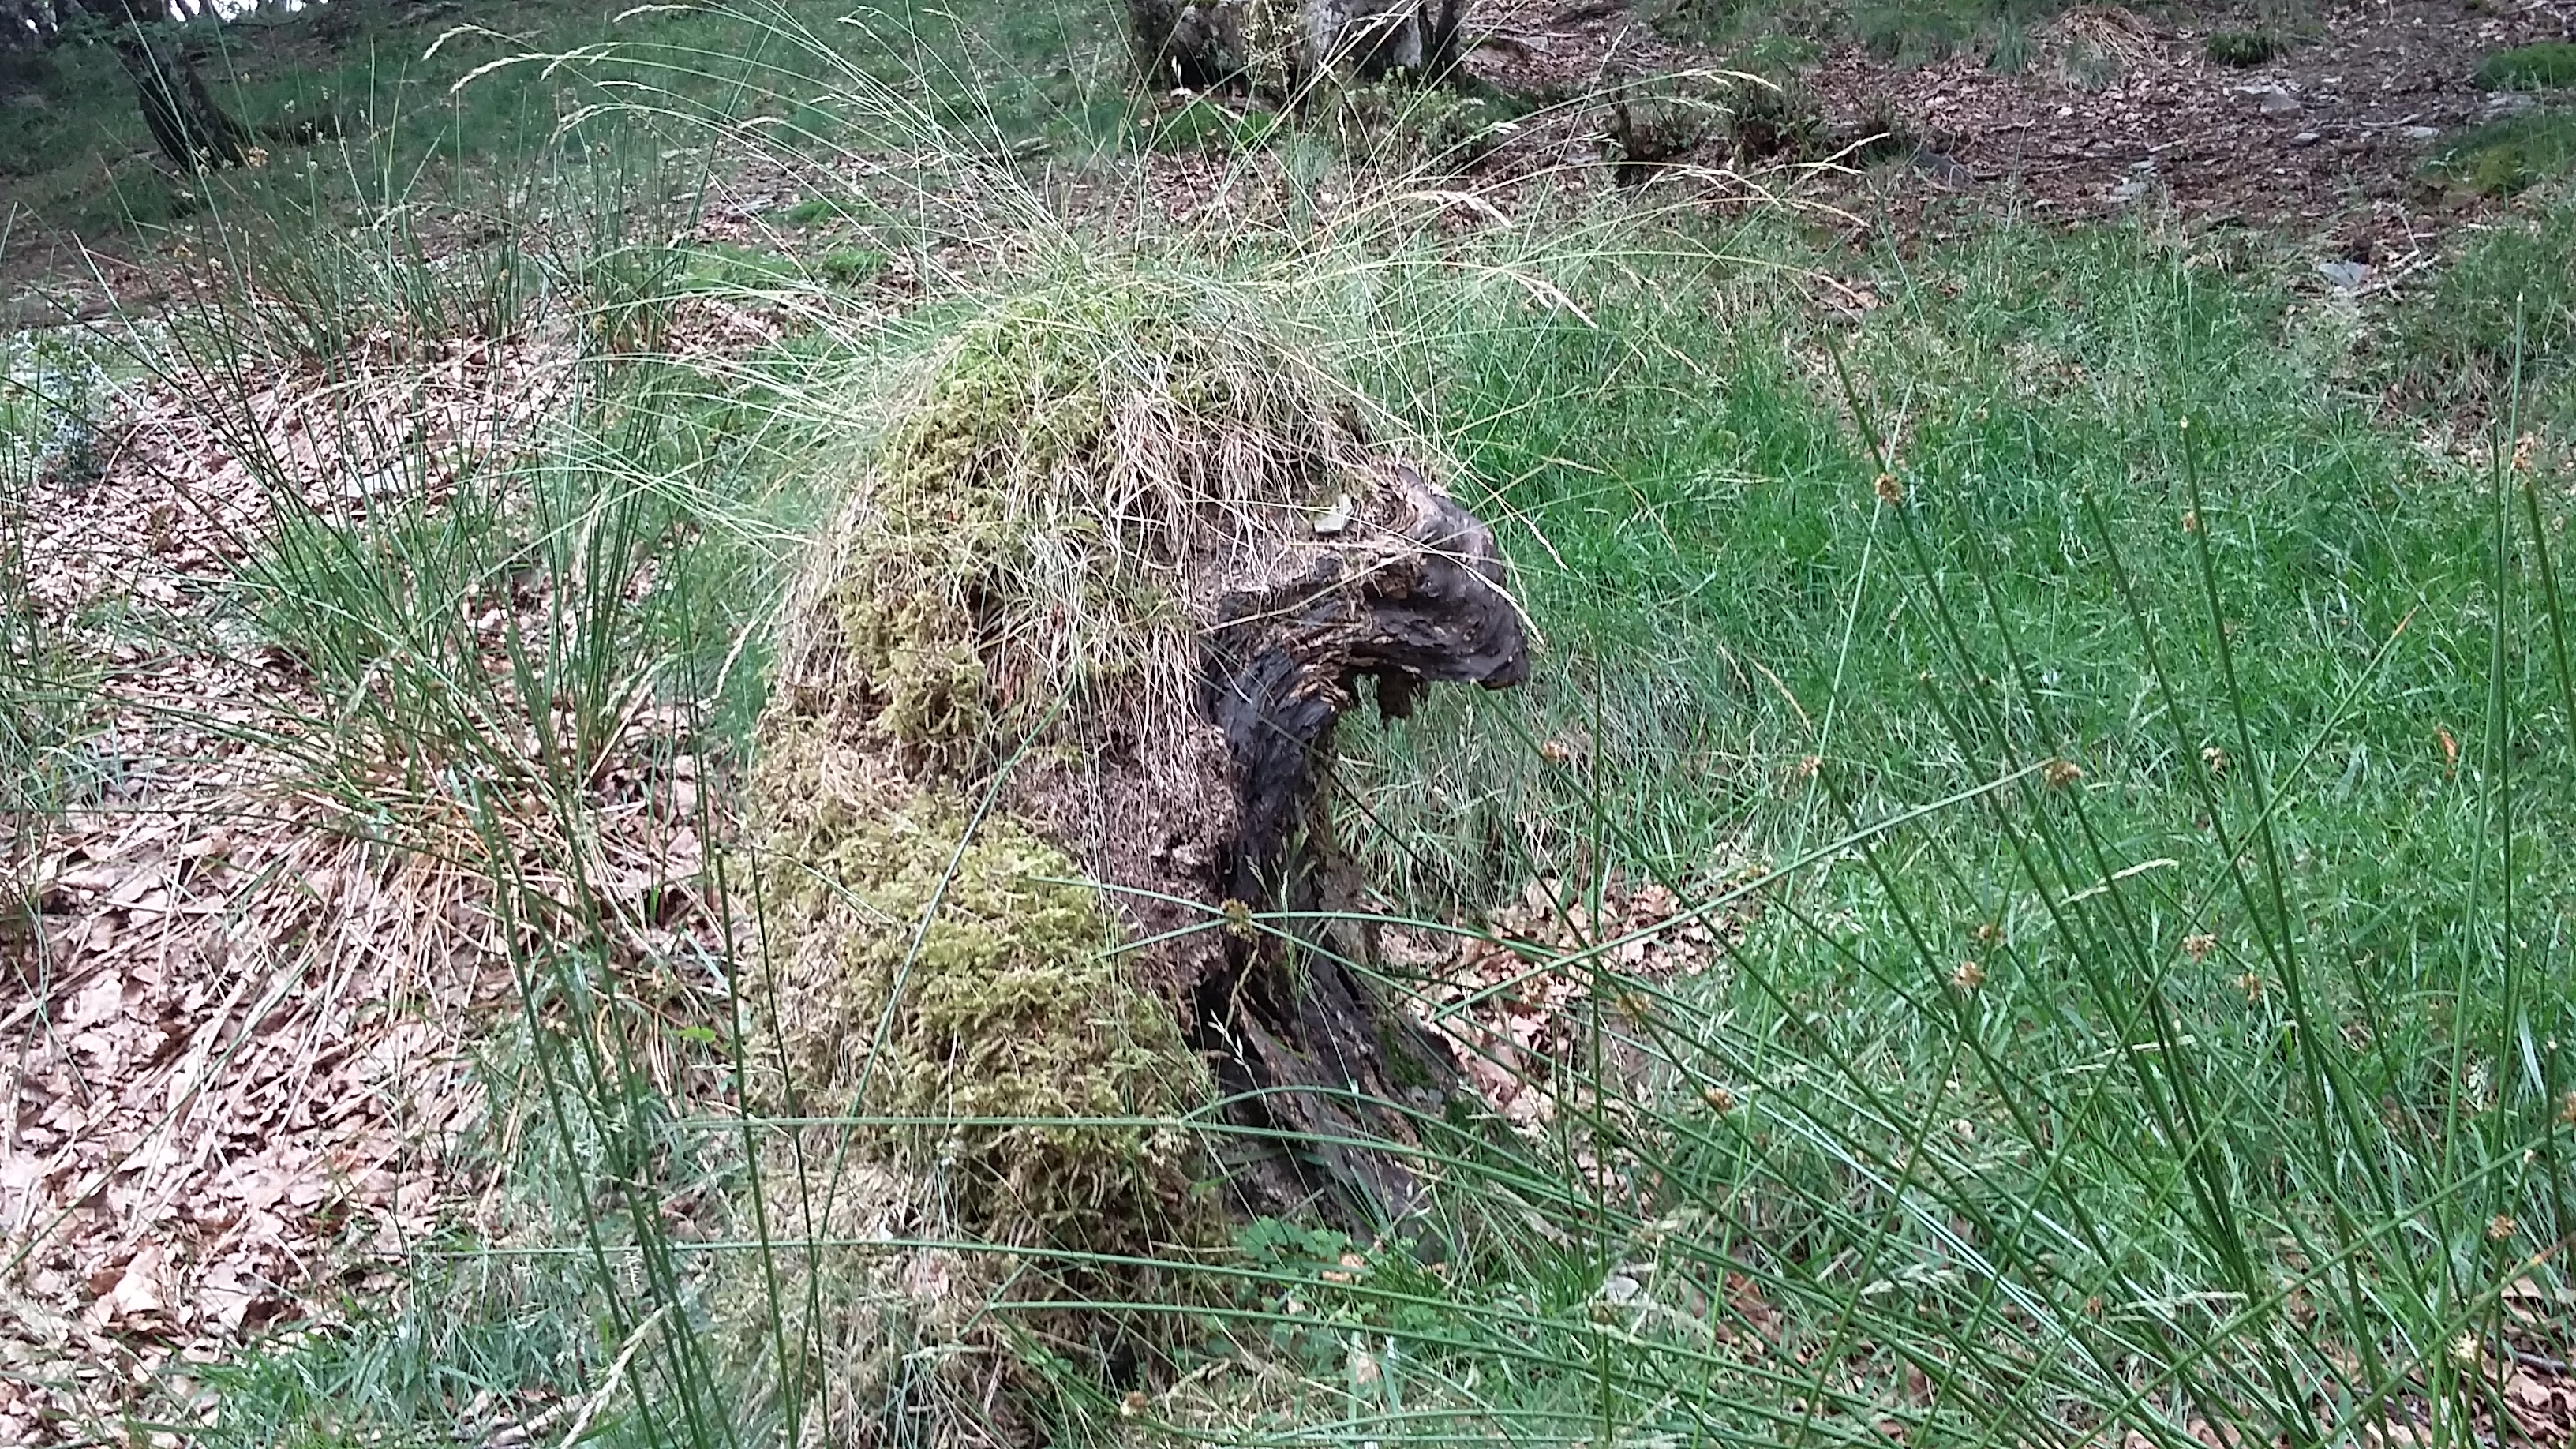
235	1016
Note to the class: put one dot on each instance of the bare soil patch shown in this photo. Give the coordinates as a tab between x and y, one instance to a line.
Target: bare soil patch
2120	109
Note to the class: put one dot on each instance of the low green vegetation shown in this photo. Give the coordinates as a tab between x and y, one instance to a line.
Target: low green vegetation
407	95
2504	310
2505	157
2243	47
2155	761
2549	65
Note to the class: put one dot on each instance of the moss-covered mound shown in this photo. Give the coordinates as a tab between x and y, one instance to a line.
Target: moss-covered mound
987	700
958	978
1022	553
1003	823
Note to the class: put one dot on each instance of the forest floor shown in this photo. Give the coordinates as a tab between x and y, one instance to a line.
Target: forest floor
2117	111
245	1090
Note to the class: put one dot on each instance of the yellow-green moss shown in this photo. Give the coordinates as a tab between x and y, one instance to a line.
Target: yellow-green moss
1025	520
985	970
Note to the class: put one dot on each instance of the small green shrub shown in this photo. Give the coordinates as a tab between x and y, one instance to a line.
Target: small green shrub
813	211
1402	127
1780	120
2243	48
2547	66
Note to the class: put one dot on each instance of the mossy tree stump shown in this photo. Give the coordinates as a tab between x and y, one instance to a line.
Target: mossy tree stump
1283	48
1045	769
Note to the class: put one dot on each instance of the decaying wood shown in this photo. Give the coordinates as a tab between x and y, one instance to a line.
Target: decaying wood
1282	47
1415	597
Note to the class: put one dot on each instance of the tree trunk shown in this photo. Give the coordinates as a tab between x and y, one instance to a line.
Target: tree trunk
1282	48
186	123
193	131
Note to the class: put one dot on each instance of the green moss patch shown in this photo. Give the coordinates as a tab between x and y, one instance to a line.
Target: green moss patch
1016	554
956	976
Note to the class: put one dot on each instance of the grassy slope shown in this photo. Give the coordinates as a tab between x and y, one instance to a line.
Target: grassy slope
444	118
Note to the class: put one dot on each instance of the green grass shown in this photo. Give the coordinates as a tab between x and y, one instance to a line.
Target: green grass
446	101
2243	47
2208	1182
2502	158
51	399
1905	32
2506	304
2549	65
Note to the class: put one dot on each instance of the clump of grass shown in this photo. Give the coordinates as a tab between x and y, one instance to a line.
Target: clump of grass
2244	48
1205	125
1774	118
1911	32
1665	118
1402	130
2550	65
51	398
2509	156
852	266
2507	304
815	211
1884	135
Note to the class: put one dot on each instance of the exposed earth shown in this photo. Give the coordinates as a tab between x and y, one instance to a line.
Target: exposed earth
2120	110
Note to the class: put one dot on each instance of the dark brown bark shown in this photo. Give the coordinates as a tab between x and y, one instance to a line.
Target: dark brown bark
190	128
1303	1042
1210	44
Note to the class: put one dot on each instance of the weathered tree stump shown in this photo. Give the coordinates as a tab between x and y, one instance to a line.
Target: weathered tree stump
1282	47
1415	598
1043	779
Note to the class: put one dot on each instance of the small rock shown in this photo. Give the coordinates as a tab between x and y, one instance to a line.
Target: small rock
2419	133
1620	1288
2508	103
2129	190
2346	276
2271	100
2306	138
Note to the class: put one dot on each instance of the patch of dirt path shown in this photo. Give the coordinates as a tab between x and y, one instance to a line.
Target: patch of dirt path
2117	110
2330	136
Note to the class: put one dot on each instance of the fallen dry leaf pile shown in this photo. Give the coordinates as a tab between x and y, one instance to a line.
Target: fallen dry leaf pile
1515	1002
234	1028
230	1086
